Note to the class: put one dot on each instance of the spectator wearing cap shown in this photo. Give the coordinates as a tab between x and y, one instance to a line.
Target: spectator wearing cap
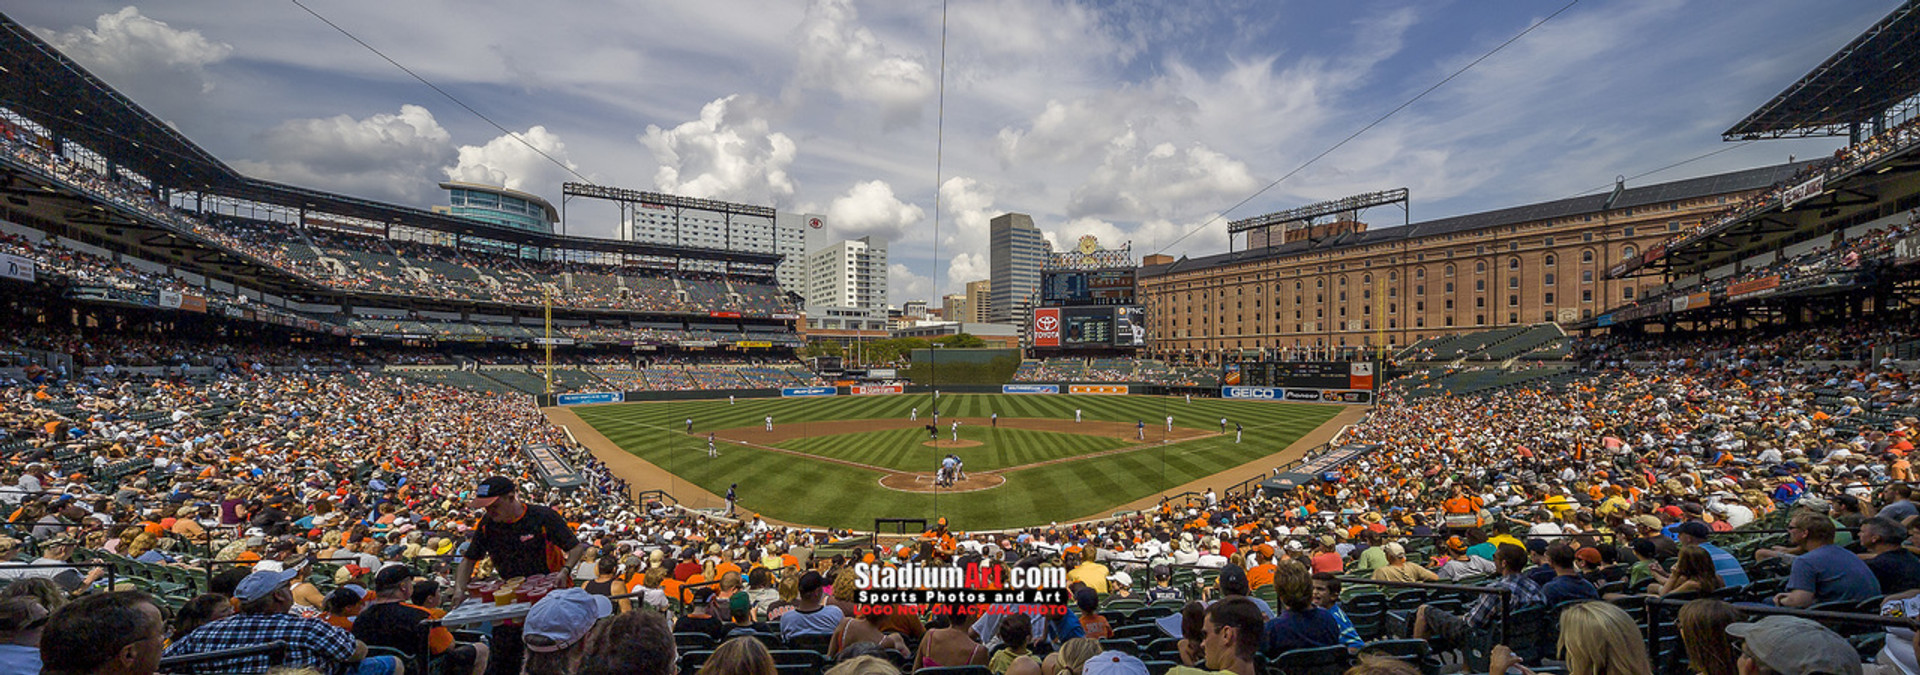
1088	572
21	620
390	619
1122	585
810	616
58	550
264	599
555	627
119	633
1825	573
1162	588
1896	567
521	539
1398	569
1232	583
1113	662
1790	645
1696	533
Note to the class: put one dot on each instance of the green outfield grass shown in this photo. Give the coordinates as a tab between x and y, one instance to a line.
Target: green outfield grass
800	490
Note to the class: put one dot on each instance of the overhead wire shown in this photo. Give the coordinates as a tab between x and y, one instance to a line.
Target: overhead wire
449	96
1370	125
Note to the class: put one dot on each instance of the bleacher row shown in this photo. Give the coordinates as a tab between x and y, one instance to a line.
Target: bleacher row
1538	342
1115	370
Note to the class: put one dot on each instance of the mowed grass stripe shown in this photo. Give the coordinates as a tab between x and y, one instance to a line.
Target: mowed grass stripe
796	489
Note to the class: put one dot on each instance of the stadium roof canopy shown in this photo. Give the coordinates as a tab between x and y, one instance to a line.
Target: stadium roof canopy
43	85
1871	75
1659	193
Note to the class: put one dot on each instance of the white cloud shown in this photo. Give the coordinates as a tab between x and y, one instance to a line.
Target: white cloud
725	154
507	162
386	155
126	47
1076	129
870	209
967	267
967	207
838	54
1159	181
903	285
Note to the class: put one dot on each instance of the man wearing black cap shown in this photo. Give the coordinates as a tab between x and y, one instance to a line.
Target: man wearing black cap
522	539
391	621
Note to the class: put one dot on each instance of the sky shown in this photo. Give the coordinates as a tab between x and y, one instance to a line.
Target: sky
1133	121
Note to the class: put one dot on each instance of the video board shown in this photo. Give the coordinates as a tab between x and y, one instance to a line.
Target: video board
1088	327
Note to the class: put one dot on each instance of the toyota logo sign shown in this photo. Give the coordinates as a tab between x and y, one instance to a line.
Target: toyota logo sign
1049	324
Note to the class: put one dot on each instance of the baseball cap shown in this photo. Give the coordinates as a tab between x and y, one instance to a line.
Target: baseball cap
1647	522
391	576
1588	555
1695	529
490	489
1121	578
563	617
812	581
1790	645
1233	578
1113	662
1394	550
261	584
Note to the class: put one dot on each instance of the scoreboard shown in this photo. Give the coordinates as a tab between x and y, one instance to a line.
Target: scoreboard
1113	286
1088	327
1300	374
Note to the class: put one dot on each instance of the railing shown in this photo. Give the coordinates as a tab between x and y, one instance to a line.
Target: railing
1504	594
276	653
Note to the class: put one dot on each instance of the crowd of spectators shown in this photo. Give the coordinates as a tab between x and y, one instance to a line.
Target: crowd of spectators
374	264
1085	369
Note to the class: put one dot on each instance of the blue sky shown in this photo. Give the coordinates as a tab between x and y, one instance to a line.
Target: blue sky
1131	121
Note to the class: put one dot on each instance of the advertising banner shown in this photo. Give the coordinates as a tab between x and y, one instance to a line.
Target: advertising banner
16	267
1232	375
1908	250
170	299
1029	389
1349	396
753	344
585	398
792	392
1101	389
193	303
724	315
1754	287
872	389
883	373
1360	376
1804	191
1046	327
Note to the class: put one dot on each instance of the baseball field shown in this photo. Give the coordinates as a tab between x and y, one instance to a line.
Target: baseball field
843	461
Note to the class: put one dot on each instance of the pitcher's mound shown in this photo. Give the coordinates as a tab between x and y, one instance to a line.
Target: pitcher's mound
923	482
952	444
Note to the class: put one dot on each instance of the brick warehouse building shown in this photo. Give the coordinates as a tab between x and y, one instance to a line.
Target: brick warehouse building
1515	266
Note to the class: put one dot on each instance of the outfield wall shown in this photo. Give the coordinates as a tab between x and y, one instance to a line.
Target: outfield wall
1031	388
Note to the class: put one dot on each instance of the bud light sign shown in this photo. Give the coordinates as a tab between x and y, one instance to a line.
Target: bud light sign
807	391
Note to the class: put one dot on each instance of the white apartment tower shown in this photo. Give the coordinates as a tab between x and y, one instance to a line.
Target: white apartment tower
851	274
784	234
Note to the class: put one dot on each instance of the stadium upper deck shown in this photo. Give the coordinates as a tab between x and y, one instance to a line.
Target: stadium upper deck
85	163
